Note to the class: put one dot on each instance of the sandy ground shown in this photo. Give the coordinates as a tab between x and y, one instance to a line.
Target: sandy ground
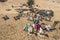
13	30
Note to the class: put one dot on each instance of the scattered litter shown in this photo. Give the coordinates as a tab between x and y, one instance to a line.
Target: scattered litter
5	17
16	17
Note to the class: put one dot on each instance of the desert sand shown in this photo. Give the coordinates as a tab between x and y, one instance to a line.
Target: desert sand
13	30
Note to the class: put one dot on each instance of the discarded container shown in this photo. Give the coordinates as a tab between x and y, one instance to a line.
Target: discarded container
36	21
26	27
